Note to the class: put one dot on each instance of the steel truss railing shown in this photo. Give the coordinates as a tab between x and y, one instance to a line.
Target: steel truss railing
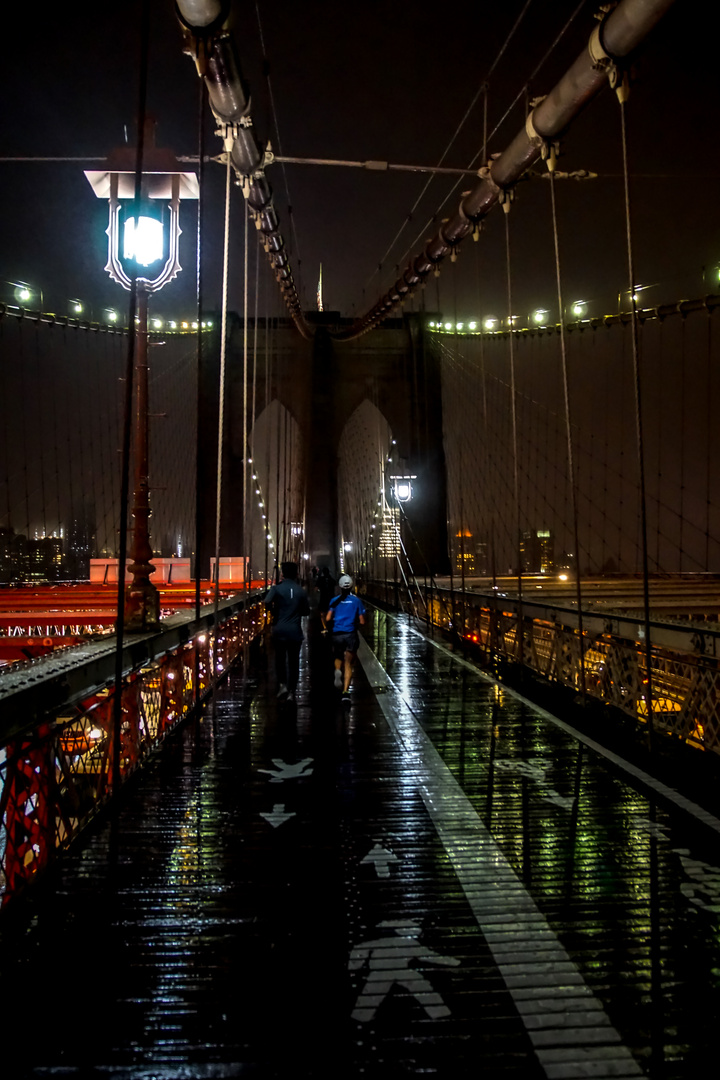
685	661
57	773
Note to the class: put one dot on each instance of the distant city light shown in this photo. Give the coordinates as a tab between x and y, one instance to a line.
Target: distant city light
111	315
76	307
157	324
578	308
173	326
472	326
540	316
459	326
448	326
490	324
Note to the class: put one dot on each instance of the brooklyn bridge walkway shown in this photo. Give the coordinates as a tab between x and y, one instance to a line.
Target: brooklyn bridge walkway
441	879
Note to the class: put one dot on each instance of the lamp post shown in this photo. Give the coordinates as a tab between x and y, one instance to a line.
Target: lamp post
142	253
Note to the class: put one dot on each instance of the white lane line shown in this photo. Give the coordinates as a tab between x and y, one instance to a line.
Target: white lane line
544	982
648	781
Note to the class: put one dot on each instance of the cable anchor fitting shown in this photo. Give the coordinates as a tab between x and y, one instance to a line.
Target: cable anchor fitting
505	198
612	67
549	149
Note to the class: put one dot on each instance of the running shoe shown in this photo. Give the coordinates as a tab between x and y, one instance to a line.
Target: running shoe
338	679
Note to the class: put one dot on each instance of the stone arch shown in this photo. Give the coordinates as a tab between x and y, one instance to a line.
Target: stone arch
364	447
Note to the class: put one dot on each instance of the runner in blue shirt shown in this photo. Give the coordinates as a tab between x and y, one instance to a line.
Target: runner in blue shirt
345	613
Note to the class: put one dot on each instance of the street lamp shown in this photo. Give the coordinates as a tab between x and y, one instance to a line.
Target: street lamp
143	245
402	488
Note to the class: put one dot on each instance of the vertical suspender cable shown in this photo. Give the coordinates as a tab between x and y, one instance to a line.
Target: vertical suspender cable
708	441
268	362
639	426
516	482
199	365
245	397
221	415
253	471
568	430
127	419
277	495
658	1034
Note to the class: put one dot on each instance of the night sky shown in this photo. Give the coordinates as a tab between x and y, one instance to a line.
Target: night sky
385	81
382	82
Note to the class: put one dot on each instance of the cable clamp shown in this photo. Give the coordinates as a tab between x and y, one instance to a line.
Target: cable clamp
603	61
549	149
505	198
228	134
485	174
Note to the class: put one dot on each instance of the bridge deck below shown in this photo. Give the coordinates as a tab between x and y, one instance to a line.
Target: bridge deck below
440	879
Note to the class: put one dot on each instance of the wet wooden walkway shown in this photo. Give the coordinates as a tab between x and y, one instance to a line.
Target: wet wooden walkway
439	880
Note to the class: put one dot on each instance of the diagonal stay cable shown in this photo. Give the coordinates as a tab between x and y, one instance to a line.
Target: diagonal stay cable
533	74
481	89
279	145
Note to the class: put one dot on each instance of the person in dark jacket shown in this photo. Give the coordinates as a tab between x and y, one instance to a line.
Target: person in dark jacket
288	602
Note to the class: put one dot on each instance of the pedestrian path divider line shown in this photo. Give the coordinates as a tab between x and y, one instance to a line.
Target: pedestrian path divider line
656	786
566	1023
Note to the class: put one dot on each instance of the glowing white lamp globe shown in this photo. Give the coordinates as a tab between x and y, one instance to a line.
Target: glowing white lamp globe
143	243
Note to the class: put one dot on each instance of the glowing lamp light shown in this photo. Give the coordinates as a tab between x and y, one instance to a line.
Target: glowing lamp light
140	247
459	326
23	292
472	326
539	316
448	326
490	324
562	577
578	308
157	324
143	240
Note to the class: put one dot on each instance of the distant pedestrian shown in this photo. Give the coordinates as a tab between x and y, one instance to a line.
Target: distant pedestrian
288	602
345	614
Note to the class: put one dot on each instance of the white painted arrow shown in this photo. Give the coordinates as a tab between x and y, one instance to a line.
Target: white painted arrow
278	816
288	772
381	858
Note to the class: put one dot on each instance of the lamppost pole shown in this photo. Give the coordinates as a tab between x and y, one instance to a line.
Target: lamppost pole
143	256
142	600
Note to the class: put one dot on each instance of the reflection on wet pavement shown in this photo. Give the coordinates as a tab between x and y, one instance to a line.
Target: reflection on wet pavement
441	879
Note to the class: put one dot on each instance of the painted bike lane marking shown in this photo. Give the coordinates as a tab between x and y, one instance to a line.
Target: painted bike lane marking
566	1023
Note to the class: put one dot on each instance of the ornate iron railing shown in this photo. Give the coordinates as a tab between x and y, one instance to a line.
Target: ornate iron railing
56	773
612	664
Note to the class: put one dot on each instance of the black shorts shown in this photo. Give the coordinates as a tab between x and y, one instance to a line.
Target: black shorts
343	643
